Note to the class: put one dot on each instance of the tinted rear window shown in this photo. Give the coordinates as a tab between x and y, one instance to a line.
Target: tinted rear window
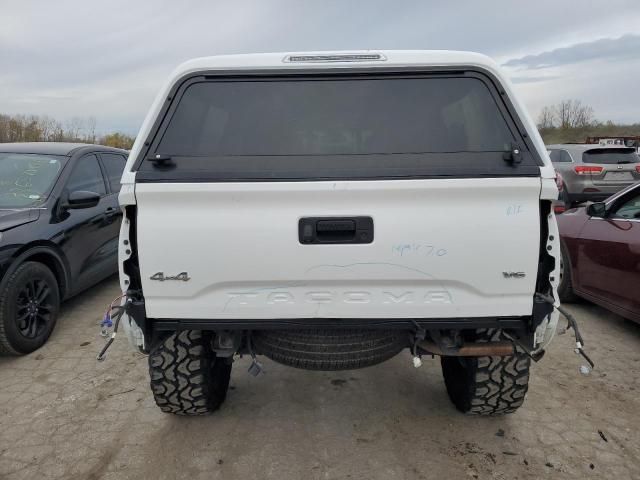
610	155
335	127
336	117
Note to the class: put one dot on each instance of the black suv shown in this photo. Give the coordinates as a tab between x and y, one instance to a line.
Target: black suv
59	225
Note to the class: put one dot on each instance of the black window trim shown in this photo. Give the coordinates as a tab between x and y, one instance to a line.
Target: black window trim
497	92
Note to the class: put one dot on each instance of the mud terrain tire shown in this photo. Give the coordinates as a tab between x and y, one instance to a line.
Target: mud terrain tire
487	385
329	349
186	376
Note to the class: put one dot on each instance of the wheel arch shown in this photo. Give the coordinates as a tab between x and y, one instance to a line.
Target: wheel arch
48	255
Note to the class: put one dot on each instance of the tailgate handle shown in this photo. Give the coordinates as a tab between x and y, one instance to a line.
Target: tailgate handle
345	226
338	230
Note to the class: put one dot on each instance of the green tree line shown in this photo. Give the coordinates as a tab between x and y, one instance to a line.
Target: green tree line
42	128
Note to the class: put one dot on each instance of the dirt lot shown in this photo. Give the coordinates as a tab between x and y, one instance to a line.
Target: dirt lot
63	415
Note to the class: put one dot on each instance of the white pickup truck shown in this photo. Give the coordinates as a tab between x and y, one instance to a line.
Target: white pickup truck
328	210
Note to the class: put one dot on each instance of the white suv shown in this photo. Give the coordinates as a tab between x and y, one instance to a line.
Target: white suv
328	210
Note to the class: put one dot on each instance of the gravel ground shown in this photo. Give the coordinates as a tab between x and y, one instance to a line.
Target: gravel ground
63	415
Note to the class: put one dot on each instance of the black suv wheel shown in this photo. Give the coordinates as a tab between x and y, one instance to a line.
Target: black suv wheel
29	305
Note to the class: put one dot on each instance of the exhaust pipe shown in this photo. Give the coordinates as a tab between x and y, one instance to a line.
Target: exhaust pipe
485	349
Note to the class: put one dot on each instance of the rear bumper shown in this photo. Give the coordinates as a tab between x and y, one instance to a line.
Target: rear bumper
142	331
511	323
136	310
581	191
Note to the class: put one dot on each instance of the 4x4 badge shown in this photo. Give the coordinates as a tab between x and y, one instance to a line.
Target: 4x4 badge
184	276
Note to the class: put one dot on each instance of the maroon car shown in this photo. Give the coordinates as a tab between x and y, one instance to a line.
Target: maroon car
601	253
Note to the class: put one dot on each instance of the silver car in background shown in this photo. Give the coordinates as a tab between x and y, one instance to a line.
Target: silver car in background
593	172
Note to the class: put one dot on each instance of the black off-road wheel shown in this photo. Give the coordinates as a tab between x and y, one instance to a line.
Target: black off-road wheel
29	305
329	349
565	286
487	385
186	376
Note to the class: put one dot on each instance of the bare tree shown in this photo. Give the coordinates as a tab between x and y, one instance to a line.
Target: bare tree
32	130
581	115
547	117
573	114
563	114
75	125
90	130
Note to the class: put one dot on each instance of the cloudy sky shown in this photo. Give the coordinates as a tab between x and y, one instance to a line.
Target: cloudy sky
107	59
